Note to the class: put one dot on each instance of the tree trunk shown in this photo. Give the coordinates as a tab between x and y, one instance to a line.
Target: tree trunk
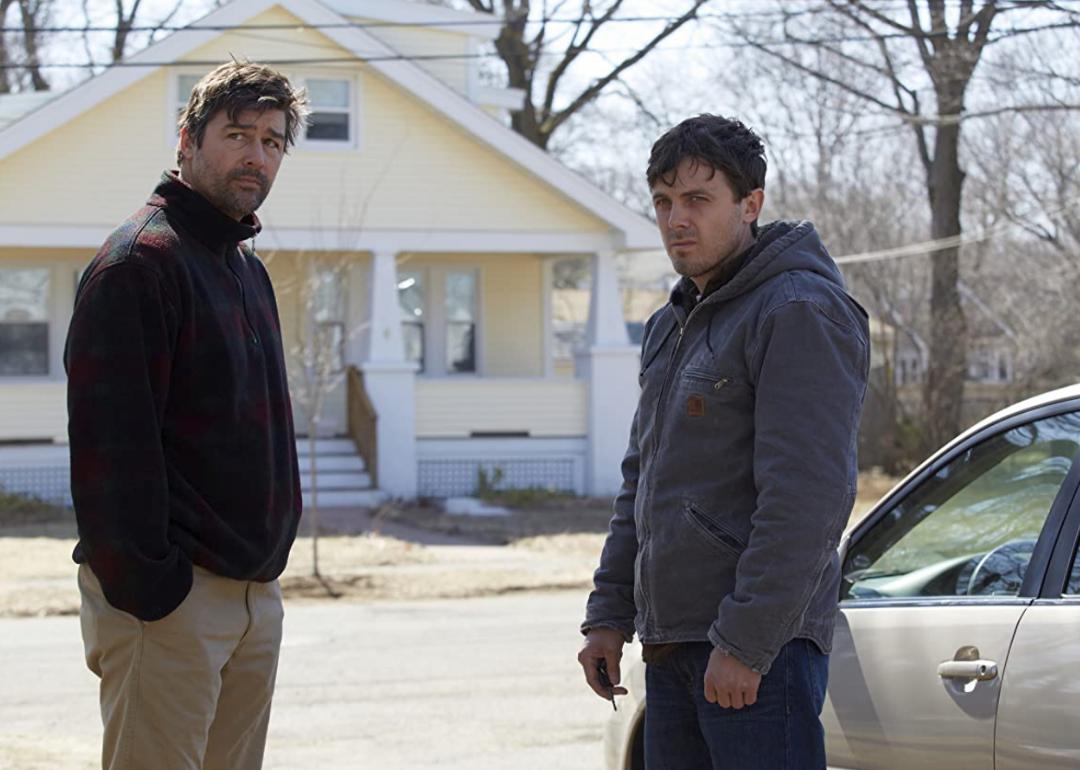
314	507
515	53
5	59
944	390
30	43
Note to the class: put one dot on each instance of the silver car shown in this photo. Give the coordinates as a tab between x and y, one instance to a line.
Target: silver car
958	640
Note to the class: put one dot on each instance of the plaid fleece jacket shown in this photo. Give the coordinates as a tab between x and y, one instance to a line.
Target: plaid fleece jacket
182	443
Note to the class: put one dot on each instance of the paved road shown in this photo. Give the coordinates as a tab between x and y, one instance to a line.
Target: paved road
471	684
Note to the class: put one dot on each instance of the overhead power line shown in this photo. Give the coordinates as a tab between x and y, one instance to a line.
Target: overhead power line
480	21
466	56
931	248
486	20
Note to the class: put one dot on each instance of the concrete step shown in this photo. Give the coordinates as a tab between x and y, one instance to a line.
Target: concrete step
368	498
337	481
333	464
326	446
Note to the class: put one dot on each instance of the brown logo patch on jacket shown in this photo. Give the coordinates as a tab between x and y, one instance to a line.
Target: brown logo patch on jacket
695	405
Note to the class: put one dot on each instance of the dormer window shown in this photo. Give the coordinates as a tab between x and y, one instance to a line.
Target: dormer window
331	117
333	123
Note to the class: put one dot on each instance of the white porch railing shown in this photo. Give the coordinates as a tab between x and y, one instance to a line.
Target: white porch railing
537	408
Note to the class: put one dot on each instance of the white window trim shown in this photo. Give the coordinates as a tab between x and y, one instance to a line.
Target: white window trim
434	278
425	318
355	111
172	101
59	305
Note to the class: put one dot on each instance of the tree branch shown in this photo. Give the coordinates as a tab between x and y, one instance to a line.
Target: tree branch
165	21
574	50
915	31
556	120
896	109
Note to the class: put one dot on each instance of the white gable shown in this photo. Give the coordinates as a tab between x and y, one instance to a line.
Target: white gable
634	231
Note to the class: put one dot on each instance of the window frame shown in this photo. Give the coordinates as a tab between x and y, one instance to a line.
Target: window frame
425	321
172	101
435	364
355	109
1039	571
53	355
61	302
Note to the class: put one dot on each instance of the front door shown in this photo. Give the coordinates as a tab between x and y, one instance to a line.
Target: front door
935	585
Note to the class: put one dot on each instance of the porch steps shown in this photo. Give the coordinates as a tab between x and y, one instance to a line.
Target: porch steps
342	477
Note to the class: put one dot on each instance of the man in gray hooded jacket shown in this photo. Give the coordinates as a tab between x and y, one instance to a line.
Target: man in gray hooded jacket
740	474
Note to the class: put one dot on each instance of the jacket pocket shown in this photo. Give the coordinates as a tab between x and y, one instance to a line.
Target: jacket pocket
705	377
712	529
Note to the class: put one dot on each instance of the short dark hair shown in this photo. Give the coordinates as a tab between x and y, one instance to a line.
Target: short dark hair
723	144
243	85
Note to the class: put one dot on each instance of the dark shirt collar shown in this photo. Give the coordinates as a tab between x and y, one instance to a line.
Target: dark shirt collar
212	226
685	295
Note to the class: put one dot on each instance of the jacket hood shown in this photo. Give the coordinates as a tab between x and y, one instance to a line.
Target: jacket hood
781	246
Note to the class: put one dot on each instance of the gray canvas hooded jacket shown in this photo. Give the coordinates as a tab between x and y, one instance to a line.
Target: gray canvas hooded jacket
741	470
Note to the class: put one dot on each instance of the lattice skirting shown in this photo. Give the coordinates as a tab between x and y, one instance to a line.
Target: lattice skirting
51	483
456	478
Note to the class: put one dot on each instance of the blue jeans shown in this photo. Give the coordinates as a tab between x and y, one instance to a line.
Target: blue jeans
781	731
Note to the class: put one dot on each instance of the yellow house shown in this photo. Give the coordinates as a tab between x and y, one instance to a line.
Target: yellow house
410	228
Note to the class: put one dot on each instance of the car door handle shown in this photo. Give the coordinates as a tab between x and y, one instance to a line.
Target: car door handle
980	670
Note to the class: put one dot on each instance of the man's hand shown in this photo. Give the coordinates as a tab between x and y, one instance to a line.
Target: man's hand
729	683
602	644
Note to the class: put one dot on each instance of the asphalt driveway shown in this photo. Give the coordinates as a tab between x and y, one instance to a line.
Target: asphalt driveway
467	684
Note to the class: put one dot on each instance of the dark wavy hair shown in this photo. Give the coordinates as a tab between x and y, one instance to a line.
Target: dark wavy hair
243	85
722	144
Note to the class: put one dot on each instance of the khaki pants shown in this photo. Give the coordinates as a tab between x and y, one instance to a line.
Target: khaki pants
191	691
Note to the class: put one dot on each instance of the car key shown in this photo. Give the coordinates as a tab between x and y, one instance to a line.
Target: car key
605	681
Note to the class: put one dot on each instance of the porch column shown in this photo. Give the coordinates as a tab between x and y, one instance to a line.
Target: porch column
389	378
610	364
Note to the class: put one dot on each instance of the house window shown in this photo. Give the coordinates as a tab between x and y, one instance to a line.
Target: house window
411	303
908	367
461	322
24	323
1004	368
184	85
331	117
328	312
333	107
988	364
440	319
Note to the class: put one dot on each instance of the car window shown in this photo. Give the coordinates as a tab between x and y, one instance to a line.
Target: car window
1072	588
970	529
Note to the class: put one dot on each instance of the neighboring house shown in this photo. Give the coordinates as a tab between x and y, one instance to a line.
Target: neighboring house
992	347
570	313
900	355
442	225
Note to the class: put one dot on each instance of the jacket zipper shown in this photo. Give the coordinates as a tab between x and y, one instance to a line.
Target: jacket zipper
243	303
667	382
656	443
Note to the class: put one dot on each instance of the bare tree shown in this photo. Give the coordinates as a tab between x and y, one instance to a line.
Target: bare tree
1025	181
867	43
33	15
321	298
528	38
126	20
5	55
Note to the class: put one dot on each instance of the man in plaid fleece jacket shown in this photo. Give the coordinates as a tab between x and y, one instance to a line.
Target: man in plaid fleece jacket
183	456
